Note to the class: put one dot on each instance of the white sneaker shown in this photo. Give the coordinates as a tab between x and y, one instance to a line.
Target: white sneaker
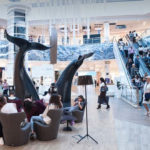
1	141
147	114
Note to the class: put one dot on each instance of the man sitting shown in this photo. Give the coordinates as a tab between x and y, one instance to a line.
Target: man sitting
79	104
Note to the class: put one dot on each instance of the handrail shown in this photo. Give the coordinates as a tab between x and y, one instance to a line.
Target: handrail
131	94
122	62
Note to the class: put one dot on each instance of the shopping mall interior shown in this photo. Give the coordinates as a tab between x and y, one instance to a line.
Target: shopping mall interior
74	74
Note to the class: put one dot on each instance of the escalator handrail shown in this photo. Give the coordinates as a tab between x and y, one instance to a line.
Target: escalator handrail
116	49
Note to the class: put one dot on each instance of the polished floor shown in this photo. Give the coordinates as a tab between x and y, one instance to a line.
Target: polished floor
120	128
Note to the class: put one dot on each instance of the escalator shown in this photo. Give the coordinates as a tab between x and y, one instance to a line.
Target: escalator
143	68
121	61
128	91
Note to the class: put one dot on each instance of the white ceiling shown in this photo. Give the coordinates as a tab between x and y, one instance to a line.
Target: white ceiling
80	10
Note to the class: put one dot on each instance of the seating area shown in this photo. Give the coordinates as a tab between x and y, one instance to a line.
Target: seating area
17	131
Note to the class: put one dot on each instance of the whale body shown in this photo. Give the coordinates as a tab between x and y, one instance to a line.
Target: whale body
64	82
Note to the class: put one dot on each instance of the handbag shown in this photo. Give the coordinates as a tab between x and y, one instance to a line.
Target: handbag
104	88
147	96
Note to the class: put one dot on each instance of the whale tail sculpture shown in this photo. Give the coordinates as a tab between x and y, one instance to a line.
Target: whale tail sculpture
65	80
22	82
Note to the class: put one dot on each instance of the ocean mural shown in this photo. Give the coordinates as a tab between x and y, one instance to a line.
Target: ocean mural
69	53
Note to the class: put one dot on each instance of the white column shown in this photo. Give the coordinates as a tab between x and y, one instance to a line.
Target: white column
106	31
65	33
74	32
88	28
16	18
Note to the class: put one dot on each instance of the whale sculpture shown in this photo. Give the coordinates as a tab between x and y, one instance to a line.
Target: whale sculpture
64	82
22	82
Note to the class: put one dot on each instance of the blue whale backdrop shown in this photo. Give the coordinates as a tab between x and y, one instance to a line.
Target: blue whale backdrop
69	53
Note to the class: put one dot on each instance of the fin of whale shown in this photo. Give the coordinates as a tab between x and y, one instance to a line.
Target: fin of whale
22	82
64	82
22	42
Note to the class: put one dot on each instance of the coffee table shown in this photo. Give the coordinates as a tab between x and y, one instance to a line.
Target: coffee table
68	118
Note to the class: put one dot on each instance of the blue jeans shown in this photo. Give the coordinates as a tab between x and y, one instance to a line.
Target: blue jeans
36	118
71	109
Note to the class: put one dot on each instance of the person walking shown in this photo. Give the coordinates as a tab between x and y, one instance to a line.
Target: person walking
102	97
146	95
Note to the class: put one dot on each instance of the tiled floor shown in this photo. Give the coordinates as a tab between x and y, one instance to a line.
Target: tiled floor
120	128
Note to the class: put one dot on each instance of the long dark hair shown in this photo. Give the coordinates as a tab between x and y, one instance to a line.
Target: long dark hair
56	100
102	80
28	105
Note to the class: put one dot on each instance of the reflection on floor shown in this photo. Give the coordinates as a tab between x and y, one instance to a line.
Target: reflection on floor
120	128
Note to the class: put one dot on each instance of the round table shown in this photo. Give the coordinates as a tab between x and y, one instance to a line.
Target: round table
68	118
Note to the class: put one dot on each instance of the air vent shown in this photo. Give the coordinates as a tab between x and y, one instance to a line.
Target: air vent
14	0
85	27
98	25
120	26
110	1
112	24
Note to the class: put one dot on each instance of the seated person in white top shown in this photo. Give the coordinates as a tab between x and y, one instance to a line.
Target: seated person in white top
8	107
47	97
11	96
54	103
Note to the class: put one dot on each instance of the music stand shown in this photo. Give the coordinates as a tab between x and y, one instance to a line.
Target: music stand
86	80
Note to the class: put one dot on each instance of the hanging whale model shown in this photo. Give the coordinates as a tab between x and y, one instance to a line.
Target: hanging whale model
22	82
64	82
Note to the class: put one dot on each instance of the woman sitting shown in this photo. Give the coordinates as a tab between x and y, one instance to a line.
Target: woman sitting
54	103
33	108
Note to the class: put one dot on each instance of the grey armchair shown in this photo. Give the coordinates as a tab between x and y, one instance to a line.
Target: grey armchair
13	133
49	132
78	114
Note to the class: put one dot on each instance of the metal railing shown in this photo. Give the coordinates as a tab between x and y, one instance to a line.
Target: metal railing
122	62
131	94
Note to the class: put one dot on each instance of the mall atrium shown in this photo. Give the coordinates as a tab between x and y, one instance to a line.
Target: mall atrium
74	74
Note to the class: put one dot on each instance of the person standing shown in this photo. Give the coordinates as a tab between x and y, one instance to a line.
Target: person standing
1	88
5	87
129	65
126	50
102	97
146	101
133	71
137	62
141	50
131	52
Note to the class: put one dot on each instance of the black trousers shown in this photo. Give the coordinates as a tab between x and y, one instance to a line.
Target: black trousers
103	100
126	53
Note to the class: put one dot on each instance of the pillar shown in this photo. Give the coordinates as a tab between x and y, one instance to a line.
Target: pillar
16	26
106	32
65	33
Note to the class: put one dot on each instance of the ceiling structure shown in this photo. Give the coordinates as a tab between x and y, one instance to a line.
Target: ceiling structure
134	14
